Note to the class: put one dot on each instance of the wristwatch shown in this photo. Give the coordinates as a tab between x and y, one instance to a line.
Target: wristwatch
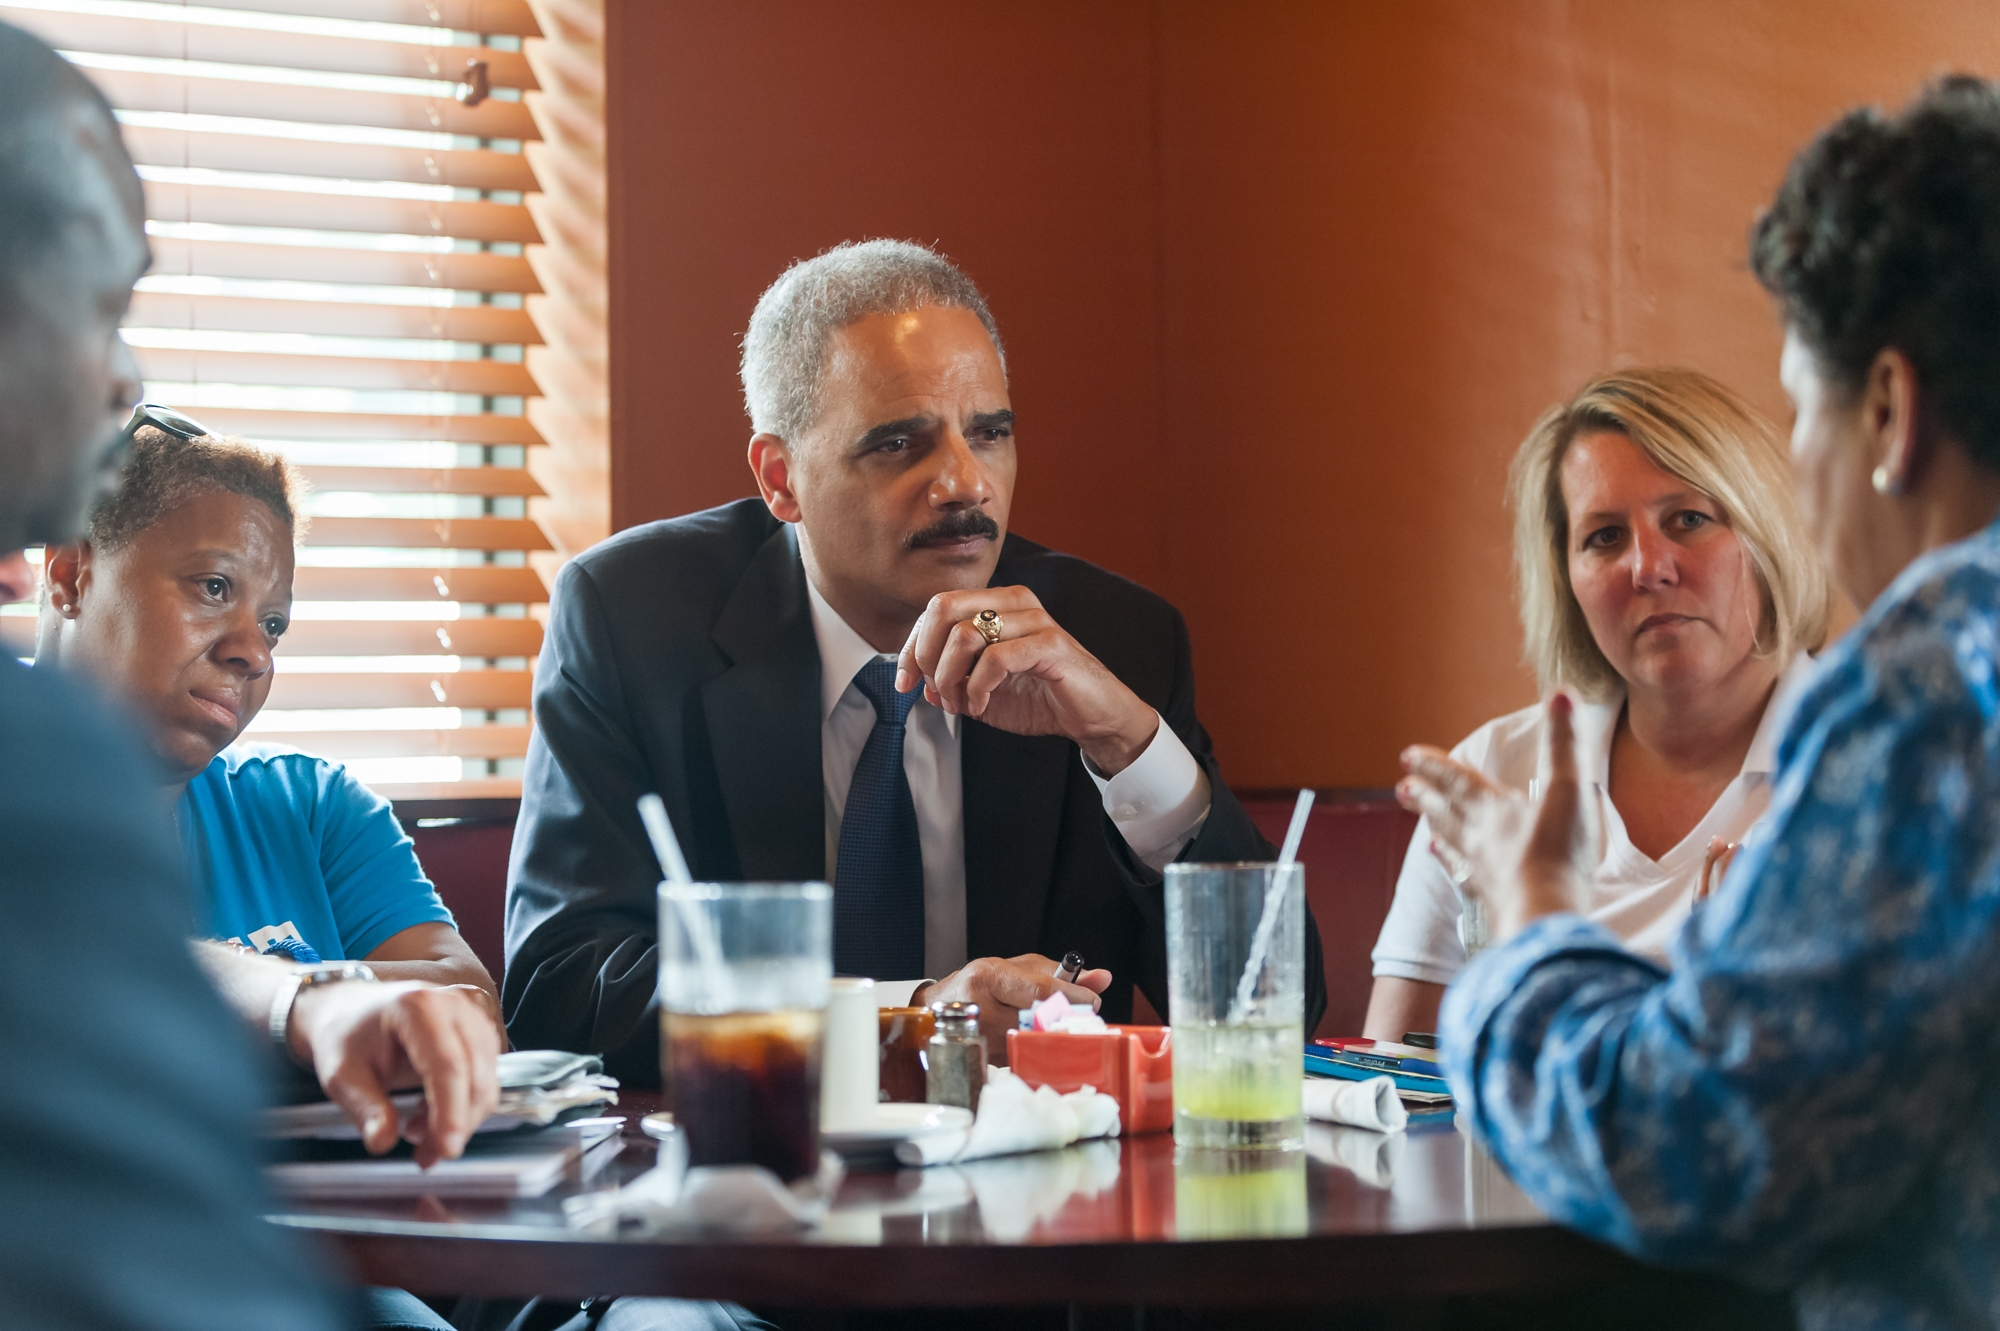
306	977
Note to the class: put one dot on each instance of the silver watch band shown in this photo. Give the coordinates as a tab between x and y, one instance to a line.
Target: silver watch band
305	977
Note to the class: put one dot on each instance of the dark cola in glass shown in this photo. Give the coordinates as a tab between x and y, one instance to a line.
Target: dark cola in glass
744	1087
744	974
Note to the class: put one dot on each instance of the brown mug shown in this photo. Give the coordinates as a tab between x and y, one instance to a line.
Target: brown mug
906	1031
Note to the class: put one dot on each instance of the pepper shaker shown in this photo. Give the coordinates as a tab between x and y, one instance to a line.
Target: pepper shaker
957	1071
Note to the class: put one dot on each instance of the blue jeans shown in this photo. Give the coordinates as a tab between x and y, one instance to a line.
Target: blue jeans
635	1314
396	1310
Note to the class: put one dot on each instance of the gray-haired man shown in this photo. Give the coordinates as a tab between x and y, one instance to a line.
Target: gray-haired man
990	749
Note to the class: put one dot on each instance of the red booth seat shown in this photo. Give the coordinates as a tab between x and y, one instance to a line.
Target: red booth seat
468	862
1353	849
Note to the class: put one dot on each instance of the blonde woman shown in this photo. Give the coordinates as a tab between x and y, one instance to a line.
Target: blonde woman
1666	580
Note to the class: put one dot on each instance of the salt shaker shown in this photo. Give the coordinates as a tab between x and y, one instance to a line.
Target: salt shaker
957	1064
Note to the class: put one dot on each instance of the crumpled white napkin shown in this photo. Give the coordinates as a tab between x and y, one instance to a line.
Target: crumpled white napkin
1014	1117
735	1199
1370	1104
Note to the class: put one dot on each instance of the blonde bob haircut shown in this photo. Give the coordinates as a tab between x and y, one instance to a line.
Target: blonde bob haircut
1697	430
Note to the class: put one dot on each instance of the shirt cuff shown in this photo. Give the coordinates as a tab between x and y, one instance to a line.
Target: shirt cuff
1423	972
896	993
1158	803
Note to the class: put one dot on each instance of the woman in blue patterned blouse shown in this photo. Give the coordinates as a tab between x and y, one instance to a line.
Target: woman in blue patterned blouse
1810	1098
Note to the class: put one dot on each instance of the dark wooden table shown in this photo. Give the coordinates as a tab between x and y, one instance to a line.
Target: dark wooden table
1104	1223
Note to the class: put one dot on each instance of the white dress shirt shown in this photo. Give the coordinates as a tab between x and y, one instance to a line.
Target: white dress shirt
1642	900
1159	803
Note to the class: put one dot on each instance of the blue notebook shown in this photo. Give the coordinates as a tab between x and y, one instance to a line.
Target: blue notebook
1324	1063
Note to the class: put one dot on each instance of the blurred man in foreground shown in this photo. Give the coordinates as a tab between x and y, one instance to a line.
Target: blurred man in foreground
129	1189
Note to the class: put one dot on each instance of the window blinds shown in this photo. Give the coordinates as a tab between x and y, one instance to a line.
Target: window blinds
338	200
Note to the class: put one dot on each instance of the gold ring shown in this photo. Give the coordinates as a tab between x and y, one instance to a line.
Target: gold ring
990	625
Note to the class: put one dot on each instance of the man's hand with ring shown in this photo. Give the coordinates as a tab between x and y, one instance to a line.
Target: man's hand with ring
1003	986
1020	671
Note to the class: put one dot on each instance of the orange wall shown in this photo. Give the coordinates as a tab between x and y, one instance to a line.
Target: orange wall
1282	284
1015	136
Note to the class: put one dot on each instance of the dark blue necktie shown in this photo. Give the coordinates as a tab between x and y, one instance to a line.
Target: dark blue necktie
878	890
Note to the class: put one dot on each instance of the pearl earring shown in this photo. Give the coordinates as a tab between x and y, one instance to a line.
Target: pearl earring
1885	481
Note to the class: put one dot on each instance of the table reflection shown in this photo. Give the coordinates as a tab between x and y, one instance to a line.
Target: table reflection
1008	1199
1370	1156
1023	1196
1167	1227
1239	1194
1134	1189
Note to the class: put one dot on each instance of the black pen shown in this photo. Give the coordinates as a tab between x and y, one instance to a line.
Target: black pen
1070	967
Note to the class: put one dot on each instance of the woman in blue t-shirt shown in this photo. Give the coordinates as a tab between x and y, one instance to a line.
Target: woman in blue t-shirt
176	599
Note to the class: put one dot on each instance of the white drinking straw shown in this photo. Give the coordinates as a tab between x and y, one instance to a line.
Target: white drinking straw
1274	898
1296	832
667	848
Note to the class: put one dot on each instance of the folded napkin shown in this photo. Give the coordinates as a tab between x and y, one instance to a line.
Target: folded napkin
1014	1117
713	1199
1370	1104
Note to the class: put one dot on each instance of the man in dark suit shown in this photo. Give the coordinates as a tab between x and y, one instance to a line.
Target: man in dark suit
989	748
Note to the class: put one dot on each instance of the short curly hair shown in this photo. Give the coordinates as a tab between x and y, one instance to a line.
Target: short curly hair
165	471
1886	233
785	347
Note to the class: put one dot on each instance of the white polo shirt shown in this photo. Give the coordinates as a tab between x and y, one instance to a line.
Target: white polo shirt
1644	901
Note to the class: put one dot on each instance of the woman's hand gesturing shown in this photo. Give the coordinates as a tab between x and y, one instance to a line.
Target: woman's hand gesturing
1524	859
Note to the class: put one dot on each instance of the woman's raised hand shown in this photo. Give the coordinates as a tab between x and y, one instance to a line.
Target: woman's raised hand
1523	858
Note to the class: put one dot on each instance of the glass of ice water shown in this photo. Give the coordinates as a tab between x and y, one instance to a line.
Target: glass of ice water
1238	1042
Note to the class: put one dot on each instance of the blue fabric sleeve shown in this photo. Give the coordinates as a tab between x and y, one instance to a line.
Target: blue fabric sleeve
1830	1018
376	887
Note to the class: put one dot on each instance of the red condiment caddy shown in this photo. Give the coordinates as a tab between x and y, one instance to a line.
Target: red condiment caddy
1132	1064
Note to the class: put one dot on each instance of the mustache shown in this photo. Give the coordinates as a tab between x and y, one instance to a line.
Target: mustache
962	525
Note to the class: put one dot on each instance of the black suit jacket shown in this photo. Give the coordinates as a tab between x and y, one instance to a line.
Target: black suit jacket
680	657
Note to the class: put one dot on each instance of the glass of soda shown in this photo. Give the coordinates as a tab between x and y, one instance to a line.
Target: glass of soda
1239	1044
744	973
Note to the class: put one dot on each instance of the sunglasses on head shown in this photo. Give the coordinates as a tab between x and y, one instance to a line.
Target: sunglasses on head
161	418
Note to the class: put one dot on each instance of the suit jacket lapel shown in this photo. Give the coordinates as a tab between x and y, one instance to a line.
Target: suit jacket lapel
763	720
1014	786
